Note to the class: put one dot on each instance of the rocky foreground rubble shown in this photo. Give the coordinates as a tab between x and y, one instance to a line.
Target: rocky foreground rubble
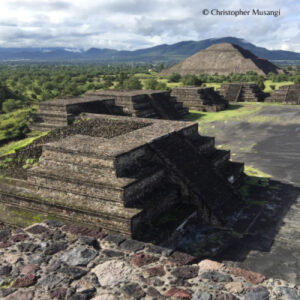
53	260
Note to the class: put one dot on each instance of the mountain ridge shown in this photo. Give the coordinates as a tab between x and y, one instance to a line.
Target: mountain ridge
172	53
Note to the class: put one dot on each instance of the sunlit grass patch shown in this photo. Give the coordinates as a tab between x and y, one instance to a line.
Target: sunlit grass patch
12	147
235	111
251	171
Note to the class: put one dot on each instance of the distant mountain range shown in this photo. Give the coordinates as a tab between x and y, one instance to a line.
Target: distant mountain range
162	53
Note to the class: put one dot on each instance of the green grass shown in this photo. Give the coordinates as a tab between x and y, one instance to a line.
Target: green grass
251	171
255	177
243	111
237	112
12	147
277	85
214	85
14	124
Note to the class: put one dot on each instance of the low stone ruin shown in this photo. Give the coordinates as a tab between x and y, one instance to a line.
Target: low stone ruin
287	94
61	112
202	99
144	103
124	177
241	92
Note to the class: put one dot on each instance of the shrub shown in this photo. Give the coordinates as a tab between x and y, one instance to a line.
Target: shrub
151	84
10	105
133	83
175	77
297	79
260	82
191	80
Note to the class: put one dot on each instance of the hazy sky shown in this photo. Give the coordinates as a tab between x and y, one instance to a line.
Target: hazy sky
133	24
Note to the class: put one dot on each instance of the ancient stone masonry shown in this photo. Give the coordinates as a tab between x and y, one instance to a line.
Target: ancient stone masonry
124	182
52	260
223	58
202	99
57	113
241	92
288	94
144	103
61	112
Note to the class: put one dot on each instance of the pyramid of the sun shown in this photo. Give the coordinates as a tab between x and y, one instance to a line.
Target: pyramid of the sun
223	58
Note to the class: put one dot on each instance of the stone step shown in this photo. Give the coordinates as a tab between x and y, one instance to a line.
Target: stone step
178	105
111	188
43	126
142	106
183	111
55	108
106	216
233	171
142	168
204	144
50	120
196	174
219	157
147	113
76	159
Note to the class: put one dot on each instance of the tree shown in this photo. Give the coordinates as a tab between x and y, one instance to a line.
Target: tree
297	79
150	84
261	83
133	83
191	80
10	105
174	77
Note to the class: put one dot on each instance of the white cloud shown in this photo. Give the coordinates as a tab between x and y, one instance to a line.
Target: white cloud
132	24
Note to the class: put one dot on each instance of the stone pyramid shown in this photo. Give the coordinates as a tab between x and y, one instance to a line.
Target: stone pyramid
288	94
241	92
223	58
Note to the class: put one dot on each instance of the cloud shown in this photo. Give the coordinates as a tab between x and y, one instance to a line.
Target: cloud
133	24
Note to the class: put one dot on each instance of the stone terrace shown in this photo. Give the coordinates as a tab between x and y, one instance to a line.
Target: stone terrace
288	94
202	99
125	182
241	92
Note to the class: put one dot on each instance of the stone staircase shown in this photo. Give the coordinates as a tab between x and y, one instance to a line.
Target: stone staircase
202	99
124	183
241	92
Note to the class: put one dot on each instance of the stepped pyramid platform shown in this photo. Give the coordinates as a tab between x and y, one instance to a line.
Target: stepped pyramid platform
241	92
144	103
202	99
287	94
223	58
61	112
124	182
